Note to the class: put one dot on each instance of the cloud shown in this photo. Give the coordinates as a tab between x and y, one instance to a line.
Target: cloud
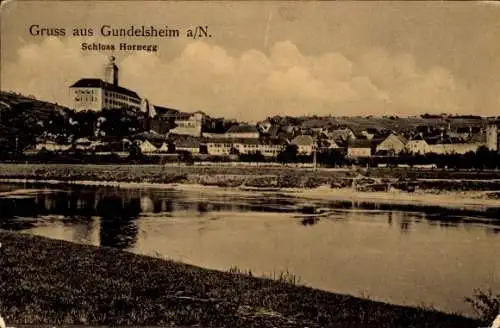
250	85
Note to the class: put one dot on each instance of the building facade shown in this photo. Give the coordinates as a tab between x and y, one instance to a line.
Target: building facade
360	148
417	146
305	144
190	125
492	137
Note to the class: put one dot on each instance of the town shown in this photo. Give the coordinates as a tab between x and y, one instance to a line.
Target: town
109	119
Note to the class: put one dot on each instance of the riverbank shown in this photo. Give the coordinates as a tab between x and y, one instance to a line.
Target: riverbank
58	282
375	179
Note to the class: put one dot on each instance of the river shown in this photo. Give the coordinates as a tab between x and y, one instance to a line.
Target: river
404	255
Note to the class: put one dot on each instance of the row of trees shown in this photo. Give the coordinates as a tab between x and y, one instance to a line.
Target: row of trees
480	160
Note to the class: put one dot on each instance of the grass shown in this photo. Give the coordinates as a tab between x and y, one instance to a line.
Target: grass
46	281
285	276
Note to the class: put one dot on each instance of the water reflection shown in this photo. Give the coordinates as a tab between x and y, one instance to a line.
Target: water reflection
118	227
309	221
405	222
119	209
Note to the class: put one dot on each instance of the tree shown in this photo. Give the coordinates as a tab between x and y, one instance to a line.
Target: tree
135	152
289	154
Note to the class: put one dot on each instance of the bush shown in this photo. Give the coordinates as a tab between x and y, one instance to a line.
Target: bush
485	305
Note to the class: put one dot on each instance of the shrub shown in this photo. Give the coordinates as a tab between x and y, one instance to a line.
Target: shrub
485	304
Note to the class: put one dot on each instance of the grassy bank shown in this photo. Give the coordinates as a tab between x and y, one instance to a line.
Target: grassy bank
266	177
48	281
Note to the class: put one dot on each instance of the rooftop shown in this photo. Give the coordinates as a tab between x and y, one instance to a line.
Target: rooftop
160	110
243	128
303	140
363	143
98	83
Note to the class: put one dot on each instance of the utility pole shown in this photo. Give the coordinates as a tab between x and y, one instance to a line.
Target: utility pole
314	159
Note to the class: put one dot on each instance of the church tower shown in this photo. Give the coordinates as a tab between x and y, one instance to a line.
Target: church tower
492	137
111	72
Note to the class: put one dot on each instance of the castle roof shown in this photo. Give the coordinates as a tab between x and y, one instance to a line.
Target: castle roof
98	83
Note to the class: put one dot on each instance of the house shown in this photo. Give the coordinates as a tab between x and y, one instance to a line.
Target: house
305	144
451	146
325	142
371	133
191	145
246	145
366	134
218	147
96	94
189	124
147	147
344	134
392	145
52	146
164	148
243	131
273	132
83	144
265	126
271	148
268	148
417	146
359	148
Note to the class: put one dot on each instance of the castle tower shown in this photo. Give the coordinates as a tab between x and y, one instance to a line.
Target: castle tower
111	71
492	137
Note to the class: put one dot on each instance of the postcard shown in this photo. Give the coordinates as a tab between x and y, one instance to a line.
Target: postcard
249	164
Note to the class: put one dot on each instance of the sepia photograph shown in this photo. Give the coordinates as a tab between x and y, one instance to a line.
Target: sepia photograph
288	164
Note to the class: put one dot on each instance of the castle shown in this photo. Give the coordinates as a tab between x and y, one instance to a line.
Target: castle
96	94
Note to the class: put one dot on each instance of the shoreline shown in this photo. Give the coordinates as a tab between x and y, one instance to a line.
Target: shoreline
91	287
451	200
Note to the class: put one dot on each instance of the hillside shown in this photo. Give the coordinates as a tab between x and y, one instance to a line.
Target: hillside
10	100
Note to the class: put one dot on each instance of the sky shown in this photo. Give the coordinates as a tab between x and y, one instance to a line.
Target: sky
269	58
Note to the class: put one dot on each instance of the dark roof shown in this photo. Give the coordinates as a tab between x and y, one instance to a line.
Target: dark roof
445	140
273	131
340	133
165	110
243	128
283	135
360	143
98	83
149	136
364	143
433	140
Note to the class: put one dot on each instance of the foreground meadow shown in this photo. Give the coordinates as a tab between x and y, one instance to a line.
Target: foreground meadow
47	281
